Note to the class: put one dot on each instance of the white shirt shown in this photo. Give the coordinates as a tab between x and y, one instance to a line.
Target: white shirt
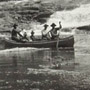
23	32
44	32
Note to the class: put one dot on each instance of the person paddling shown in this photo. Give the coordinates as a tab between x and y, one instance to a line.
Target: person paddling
44	32
54	30
14	33
32	37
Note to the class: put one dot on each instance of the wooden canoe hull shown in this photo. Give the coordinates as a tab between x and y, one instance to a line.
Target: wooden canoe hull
66	42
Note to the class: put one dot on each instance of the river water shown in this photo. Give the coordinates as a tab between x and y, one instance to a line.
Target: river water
17	64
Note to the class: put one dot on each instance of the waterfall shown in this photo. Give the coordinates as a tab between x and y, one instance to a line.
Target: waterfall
73	18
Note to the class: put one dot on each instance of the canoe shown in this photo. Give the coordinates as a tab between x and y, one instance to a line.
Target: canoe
65	42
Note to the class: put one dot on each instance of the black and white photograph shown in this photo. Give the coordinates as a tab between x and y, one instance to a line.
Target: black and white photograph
44	44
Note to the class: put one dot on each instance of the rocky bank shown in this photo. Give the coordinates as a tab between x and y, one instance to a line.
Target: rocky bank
25	12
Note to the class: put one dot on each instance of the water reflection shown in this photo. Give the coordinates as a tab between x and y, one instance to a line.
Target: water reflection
14	67
37	59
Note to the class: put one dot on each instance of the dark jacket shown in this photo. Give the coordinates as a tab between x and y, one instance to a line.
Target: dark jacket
54	33
14	33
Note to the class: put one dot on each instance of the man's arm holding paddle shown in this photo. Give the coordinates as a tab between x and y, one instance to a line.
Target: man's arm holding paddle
60	26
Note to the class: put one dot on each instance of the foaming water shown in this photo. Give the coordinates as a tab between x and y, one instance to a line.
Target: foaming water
73	18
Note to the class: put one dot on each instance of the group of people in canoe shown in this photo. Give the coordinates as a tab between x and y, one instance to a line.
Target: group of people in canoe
51	35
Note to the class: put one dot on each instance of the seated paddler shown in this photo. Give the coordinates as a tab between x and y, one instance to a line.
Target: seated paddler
44	32
54	30
16	33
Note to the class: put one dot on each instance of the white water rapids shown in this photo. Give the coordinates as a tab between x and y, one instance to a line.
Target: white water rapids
73	18
77	17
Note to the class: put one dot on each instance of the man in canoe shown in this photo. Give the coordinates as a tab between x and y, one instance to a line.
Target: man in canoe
45	34
54	30
32	37
15	34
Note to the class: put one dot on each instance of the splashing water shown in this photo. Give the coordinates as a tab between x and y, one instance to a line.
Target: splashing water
77	17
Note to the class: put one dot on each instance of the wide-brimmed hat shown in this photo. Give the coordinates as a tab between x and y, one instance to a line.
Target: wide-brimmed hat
53	24
15	25
45	25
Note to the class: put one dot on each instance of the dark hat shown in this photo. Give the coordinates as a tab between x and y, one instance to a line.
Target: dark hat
53	24
15	25
45	25
59	21
32	32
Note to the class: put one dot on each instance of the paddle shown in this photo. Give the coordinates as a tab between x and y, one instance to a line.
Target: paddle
58	35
